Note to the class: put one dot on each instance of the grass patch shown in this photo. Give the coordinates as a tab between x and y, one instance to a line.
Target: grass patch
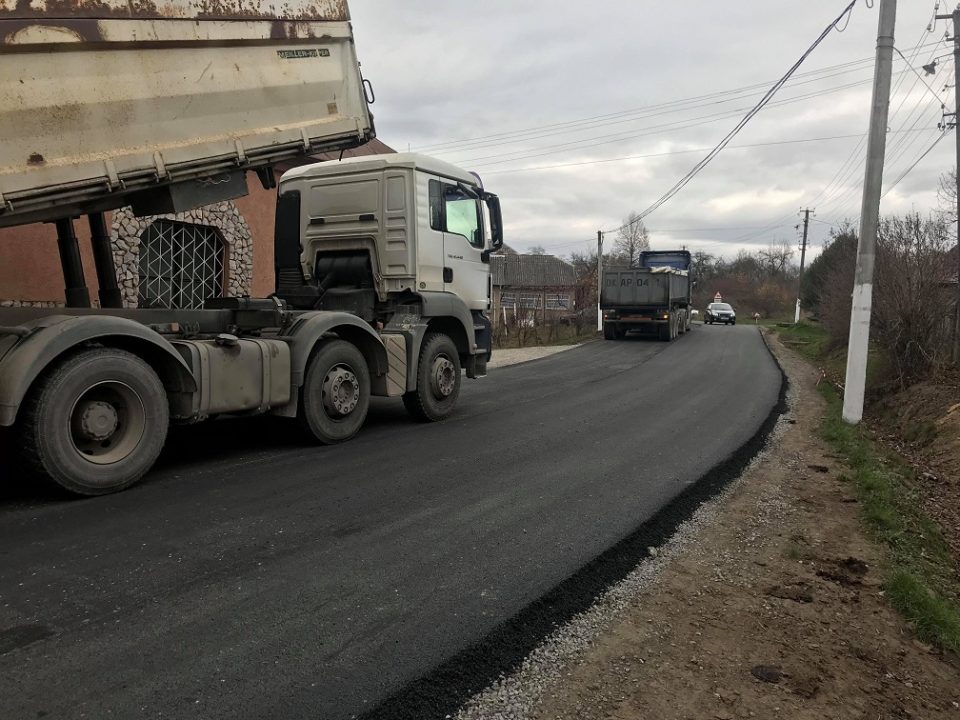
807	339
920	578
813	342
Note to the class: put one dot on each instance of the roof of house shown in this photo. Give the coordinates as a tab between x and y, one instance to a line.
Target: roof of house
531	271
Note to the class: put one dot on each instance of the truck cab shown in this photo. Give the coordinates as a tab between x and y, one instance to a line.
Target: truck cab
391	234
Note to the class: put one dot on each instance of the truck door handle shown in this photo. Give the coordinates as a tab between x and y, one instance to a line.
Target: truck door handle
448	275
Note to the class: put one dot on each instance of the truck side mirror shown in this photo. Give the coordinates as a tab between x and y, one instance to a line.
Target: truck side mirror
496	220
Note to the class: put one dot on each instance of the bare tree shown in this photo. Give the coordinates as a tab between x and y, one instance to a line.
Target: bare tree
632	239
910	301
947	195
776	258
537	250
702	265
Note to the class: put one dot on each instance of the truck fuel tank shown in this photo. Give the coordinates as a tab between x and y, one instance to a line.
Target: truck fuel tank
236	375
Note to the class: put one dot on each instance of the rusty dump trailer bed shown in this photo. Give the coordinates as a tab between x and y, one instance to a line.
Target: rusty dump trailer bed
164	105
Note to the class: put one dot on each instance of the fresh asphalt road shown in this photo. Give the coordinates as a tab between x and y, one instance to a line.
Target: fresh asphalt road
252	576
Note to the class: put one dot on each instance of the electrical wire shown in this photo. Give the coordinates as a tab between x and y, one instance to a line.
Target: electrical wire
478	163
669	153
680	184
447	146
914	164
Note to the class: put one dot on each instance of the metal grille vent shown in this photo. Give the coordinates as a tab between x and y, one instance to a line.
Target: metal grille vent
181	265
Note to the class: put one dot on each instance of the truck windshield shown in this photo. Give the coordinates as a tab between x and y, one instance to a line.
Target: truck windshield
463	216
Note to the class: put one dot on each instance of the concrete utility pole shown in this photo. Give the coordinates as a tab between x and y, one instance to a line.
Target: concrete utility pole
955	16
599	278
859	340
803	259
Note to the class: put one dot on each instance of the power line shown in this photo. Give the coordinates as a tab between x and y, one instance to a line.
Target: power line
677	152
573	127
839	192
914	164
679	185
672	126
852	159
433	147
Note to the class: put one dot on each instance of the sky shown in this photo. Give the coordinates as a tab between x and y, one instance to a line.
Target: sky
577	114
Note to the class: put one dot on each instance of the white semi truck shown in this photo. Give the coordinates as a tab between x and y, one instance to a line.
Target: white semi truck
382	263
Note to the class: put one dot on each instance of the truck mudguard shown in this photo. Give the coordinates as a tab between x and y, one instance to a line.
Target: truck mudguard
444	304
310	327
52	336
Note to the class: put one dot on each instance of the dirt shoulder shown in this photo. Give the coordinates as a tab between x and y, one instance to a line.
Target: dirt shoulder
774	609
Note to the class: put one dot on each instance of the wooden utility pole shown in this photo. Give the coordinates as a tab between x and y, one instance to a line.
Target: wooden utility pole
803	259
955	16
859	339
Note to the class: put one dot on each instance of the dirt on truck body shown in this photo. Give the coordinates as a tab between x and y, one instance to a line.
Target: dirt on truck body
196	93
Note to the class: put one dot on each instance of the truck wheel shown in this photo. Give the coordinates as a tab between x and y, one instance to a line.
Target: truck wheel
663	333
96	423
438	380
609	331
335	395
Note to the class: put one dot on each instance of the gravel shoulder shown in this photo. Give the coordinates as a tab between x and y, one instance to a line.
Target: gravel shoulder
512	356
767	603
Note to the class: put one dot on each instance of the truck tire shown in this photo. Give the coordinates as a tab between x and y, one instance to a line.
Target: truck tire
95	423
335	396
438	380
610	331
664	333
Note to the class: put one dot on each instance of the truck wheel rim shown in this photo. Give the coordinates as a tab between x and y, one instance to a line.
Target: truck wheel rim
444	376
341	391
107	422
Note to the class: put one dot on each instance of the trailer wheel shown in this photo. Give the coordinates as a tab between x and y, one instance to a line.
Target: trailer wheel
609	331
438	380
335	395
96	423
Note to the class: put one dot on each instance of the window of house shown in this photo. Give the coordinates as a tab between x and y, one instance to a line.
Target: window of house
181	265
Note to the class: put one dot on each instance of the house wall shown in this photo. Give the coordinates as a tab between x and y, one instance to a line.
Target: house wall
540	313
30	272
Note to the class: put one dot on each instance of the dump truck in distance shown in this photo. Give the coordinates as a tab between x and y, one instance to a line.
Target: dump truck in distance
654	298
382	262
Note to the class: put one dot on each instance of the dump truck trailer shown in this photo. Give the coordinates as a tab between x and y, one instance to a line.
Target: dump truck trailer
382	263
165	106
653	298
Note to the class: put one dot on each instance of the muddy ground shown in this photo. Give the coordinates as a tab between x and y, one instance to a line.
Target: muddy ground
775	610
